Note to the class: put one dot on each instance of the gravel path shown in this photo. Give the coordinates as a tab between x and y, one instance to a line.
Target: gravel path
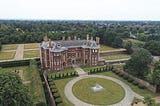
127	100
19	52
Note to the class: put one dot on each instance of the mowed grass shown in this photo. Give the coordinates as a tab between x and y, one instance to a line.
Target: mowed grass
7	55
31	46
9	47
106	48
111	94
143	92
115	57
31	53
60	84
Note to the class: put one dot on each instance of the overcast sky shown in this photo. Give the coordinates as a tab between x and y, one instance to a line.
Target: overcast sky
80	9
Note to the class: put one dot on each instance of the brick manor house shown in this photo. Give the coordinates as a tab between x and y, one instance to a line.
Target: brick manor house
56	55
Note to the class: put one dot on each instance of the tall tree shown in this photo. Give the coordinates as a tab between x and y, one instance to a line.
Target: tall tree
12	91
138	64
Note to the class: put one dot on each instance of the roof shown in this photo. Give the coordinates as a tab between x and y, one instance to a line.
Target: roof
58	46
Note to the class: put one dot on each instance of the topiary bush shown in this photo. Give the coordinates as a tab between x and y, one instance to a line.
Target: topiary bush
56	95
135	82
58	100
141	86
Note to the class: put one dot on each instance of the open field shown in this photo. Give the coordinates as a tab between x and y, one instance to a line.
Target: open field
31	53
7	55
111	93
60	84
116	57
105	48
9	47
31	46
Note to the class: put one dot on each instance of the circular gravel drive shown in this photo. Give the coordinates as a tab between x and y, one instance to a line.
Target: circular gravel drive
126	101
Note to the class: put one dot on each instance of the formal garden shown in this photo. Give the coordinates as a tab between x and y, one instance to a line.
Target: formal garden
28	72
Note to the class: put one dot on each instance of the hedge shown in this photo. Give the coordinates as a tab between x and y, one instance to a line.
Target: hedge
16	63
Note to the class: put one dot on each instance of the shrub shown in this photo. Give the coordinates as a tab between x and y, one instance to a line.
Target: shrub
60	104
141	86
58	100
54	90
56	95
51	83
130	80
125	76
53	87
120	74
135	82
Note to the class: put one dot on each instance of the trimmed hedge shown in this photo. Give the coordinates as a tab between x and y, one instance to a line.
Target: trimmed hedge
97	70
16	63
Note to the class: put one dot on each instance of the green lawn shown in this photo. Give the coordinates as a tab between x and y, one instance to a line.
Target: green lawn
60	84
105	48
87	68
9	47
31	53
111	94
31	46
7	55
143	92
115	57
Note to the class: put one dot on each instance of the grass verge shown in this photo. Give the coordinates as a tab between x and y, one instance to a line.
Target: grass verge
7	55
31	53
31	46
9	47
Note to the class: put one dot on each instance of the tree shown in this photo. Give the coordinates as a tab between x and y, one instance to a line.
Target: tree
153	47
138	64
148	101
128	47
156	74
0	46
117	42
12	91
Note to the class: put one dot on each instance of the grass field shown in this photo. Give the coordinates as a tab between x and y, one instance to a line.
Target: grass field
143	92
9	47
7	55
60	84
87	68
105	48
31	46
111	94
115	57
31	53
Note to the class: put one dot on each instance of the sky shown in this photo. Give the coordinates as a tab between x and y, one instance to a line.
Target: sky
80	9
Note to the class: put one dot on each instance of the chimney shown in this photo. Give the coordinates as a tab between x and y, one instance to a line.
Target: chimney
75	38
91	37
63	38
97	40
87	37
49	43
69	38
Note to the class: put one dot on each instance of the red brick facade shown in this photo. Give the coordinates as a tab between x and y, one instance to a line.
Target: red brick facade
56	55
